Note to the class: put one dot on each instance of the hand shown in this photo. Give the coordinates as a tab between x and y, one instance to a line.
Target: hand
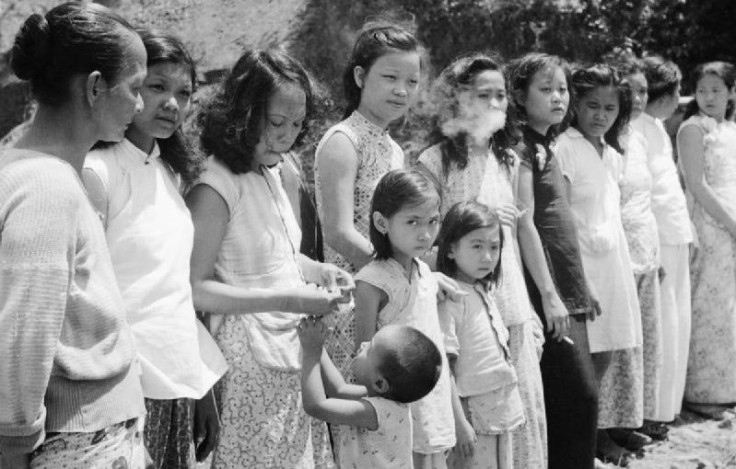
508	214
595	309
558	321
466	438
539	341
314	300
336	280
448	288
206	425
19	461
312	333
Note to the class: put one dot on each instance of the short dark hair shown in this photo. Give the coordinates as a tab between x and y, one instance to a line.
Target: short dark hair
71	39
584	80
177	150
231	120
461	73
398	189
663	77
519	75
412	367
375	39
723	70
461	219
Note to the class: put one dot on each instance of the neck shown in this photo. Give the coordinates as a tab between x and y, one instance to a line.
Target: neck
657	111
539	128
59	132
405	261
597	143
140	139
377	120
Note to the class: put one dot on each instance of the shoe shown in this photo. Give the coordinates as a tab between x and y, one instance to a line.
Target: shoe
609	452
629	439
654	430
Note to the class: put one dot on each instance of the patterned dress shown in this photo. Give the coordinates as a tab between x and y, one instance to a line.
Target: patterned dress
487	181
642	236
711	374
377	154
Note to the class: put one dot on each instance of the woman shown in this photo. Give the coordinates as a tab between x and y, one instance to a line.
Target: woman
70	394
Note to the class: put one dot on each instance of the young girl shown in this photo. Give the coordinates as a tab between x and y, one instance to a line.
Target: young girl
136	186
706	145
590	159
380	83
473	161
470	245
398	288
399	366
71	393
539	91
246	265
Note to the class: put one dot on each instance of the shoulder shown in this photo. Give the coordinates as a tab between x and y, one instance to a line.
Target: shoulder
388	412
431	158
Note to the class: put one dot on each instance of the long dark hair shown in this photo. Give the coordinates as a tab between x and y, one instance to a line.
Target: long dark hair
461	219
454	148
231	120
723	70
375	39
72	38
398	189
585	80
176	150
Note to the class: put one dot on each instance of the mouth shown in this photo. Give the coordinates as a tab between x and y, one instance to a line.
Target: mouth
398	104
167	120
561	110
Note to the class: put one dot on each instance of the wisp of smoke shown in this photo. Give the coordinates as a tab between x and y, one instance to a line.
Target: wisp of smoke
478	121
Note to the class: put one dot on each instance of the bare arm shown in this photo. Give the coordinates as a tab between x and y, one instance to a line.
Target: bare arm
691	149
368	302
96	193
338	168
210	216
356	413
534	259
335	385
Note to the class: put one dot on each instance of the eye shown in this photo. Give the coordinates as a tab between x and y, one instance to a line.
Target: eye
413	81
389	77
434	221
156	87
299	124
563	90
545	89
276	124
186	93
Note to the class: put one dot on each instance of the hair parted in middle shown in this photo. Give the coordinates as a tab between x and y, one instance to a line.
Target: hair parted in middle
396	190
232	121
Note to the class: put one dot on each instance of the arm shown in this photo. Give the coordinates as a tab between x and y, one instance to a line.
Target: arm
356	413
210	216
691	149
534	259
97	193
338	168
369	300
335	385
466	437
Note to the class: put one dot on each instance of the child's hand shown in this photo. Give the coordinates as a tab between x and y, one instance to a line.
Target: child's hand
466	438
448	288
508	214
312	333
337	282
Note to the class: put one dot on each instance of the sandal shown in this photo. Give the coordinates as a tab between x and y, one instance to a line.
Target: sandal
609	452
629	439
654	430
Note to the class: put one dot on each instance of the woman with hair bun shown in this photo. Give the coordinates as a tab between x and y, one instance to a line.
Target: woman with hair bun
70	393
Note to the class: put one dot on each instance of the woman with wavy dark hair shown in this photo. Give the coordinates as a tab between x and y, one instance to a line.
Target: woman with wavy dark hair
246	268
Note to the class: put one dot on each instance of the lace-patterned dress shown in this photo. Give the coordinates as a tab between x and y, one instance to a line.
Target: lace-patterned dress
488	182
711	374
377	154
640	228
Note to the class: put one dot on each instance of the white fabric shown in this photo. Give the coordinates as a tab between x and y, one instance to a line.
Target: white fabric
413	302
595	202
388	446
675	293
668	199
149	234
259	250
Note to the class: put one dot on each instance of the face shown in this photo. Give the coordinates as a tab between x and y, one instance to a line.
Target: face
546	99
476	254
166	93
284	119
366	364
389	87
597	111
411	230
712	96
639	94
670	103
120	101
482	106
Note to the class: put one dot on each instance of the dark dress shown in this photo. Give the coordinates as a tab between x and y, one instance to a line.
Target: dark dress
570	390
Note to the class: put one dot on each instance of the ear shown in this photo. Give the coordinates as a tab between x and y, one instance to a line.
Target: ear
381	222
520	97
380	385
95	85
451	252
359	76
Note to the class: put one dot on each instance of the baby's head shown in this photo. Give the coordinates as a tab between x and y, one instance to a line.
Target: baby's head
400	363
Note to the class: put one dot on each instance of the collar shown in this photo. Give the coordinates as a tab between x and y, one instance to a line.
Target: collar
365	122
141	155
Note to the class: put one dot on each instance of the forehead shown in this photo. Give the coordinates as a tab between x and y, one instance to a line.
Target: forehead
404	61
488	233
489	79
427	208
603	94
288	100
171	71
711	80
637	80
550	73
134	55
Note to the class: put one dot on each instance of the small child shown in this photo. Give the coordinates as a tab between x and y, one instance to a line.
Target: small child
476	339
398	288
400	365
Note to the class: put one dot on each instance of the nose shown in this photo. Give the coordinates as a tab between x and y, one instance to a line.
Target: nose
400	90
495	103
138	103
556	97
171	104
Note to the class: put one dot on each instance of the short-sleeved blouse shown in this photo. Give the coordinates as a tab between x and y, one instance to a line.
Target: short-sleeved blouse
377	154
554	223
